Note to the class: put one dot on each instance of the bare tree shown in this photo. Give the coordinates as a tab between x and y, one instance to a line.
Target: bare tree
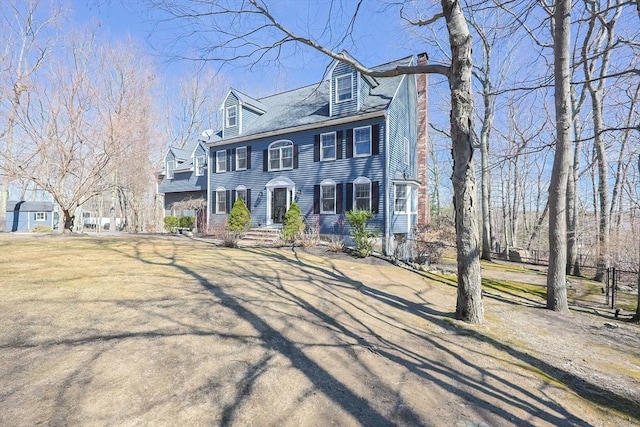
27	46
235	42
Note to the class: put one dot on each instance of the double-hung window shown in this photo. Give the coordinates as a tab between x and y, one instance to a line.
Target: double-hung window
169	169
328	146
344	88
241	158
328	197
241	193
401	204
362	141
232	116
221	161
281	155
362	194
221	201
199	165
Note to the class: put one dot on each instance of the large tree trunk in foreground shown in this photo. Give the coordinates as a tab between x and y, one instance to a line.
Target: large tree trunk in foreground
469	305
557	277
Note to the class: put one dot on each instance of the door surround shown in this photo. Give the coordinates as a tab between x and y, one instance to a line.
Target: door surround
278	182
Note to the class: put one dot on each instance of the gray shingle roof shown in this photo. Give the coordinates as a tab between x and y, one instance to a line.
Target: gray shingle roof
29	206
310	104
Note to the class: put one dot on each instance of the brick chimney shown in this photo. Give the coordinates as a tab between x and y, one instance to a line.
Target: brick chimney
423	140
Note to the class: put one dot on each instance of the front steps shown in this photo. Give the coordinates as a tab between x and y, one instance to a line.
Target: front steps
261	237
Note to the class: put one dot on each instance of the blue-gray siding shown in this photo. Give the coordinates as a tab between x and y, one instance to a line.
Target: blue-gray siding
21	216
306	176
248	117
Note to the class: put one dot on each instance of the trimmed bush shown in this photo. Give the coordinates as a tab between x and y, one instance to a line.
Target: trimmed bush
361	237
239	219
186	222
292	223
171	223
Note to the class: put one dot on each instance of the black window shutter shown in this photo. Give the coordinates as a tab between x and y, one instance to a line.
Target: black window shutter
248	197
349	143
233	197
214	197
233	159
228	200
349	196
338	145
375	139
338	198
35	216
265	160
296	155
249	157
375	196
316	148
229	159
316	199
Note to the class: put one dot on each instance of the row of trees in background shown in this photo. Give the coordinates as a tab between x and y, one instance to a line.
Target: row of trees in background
83	118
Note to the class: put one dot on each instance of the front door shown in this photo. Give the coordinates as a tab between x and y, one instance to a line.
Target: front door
278	204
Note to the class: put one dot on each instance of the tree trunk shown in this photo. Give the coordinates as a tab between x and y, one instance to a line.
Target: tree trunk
486	178
573	261
68	219
469	304
556	276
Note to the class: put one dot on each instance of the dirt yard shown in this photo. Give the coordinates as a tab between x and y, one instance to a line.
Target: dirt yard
177	331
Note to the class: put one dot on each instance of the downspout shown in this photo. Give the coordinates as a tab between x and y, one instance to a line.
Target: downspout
387	222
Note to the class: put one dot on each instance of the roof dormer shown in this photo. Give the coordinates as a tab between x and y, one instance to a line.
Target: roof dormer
238	111
347	87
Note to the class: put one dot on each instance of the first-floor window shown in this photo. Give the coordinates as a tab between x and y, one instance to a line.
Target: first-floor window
328	197
221	201
362	194
401	198
241	194
41	216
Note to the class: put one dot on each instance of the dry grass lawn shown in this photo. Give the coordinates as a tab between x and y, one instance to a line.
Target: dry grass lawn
177	331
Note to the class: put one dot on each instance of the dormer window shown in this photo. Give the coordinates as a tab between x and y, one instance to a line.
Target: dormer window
199	165
169	169
232	116
344	88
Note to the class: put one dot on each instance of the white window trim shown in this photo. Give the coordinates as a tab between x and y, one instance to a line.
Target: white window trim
199	165
407	199
407	148
238	168
169	170
361	180
289	144
227	110
217	201
241	188
44	216
328	183
355	154
338	100
218	169
335	147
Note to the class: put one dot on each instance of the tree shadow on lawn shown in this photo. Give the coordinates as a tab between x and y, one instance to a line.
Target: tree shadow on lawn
582	387
418	364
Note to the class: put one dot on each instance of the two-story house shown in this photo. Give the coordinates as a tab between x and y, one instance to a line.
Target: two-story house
347	142
183	181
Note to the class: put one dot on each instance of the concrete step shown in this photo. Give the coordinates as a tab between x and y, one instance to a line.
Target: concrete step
261	235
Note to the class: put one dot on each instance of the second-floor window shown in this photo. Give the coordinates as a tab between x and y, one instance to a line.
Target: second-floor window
221	161
169	169
328	146
362	141
199	165
281	155
232	116
241	158
344	88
